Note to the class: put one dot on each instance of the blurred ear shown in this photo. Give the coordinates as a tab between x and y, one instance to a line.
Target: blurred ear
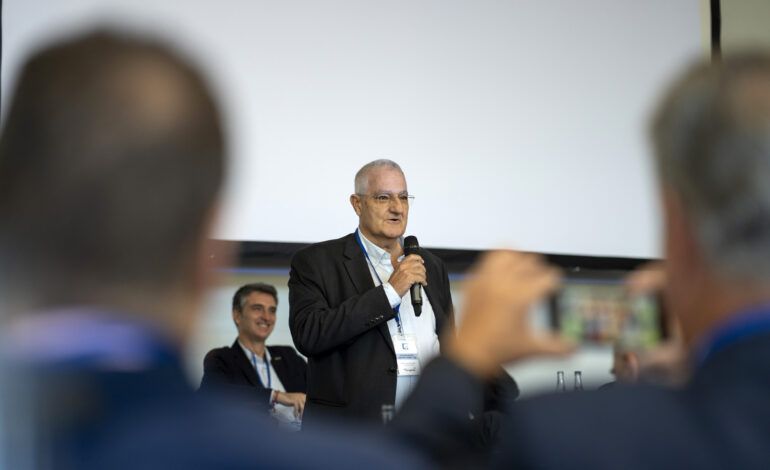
632	365
201	272
681	245
355	201
213	255
689	278
237	317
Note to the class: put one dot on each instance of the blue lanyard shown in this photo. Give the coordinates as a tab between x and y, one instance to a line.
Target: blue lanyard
366	254
267	366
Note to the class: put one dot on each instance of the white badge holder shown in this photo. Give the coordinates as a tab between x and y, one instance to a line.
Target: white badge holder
406	355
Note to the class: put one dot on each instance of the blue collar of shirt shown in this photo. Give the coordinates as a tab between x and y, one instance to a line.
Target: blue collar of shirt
89	337
746	324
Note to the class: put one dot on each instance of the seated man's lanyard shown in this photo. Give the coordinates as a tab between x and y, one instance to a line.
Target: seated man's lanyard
397	307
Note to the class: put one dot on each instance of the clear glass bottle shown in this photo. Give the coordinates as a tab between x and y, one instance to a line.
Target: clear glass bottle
387	411
578	381
561	385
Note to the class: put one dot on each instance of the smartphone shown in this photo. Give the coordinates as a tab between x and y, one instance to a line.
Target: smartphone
596	308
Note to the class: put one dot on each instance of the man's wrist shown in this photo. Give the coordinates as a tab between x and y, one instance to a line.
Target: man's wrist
393	298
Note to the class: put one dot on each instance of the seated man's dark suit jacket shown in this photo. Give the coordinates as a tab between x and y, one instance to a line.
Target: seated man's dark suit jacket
720	420
338	320
229	369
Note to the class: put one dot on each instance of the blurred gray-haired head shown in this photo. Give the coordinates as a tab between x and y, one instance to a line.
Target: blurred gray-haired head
712	142
361	181
111	159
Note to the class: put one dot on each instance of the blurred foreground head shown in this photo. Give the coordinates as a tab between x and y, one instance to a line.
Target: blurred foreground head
111	159
712	143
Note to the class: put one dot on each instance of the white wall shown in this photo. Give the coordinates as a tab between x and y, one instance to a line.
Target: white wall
519	123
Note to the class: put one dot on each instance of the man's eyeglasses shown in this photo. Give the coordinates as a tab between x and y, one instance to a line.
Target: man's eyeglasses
385	199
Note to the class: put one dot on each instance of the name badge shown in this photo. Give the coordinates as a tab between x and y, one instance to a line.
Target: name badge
406	355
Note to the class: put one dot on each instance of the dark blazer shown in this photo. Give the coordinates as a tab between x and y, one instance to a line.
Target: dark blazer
338	320
721	419
230	368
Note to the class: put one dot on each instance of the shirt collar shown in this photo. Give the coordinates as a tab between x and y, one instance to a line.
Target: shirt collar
249	353
377	255
744	324
90	337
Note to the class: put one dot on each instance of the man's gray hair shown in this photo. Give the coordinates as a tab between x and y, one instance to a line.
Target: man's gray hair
361	183
712	143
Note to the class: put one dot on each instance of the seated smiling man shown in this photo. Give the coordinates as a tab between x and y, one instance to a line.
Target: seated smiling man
276	375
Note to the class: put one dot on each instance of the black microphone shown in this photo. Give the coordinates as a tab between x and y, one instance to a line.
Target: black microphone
412	247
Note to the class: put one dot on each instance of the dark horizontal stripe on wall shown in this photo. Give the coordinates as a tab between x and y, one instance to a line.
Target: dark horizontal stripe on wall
278	255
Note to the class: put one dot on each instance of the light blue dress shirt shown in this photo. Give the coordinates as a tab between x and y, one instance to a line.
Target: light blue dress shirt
422	327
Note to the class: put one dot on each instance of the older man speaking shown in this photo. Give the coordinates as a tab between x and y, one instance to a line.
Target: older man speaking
350	304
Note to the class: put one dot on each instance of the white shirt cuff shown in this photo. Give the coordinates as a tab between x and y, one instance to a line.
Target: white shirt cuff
393	297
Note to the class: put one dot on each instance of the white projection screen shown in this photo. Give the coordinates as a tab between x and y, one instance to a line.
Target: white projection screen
519	123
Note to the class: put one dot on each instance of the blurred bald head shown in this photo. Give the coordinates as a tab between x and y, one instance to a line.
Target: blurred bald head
111	160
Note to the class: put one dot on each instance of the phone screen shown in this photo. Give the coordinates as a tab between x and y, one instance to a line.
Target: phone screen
600	311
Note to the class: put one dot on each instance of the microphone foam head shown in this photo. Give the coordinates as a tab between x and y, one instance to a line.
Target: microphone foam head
410	245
